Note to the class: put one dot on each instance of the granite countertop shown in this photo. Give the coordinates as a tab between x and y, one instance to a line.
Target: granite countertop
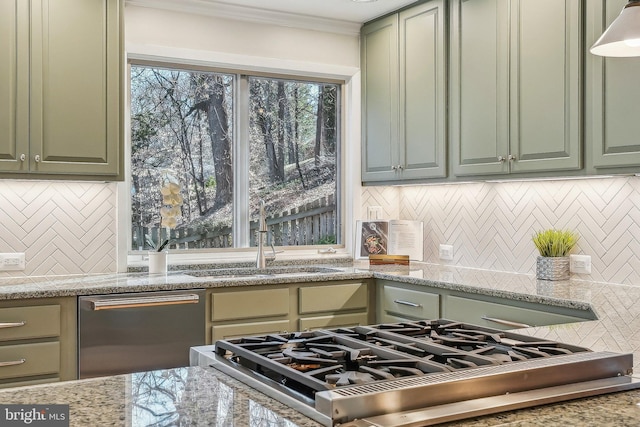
615	330
195	396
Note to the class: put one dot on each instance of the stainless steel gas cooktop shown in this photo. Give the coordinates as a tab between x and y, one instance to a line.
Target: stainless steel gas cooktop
415	373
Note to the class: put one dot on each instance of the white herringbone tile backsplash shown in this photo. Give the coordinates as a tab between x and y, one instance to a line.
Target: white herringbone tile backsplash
490	224
62	227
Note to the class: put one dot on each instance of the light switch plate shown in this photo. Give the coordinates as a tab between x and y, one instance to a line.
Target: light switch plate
374	212
12	261
446	252
580	264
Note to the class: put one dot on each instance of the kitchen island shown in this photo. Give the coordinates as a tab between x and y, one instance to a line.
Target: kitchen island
205	397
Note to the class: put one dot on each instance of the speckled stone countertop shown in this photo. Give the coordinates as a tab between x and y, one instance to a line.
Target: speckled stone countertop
617	329
197	396
174	397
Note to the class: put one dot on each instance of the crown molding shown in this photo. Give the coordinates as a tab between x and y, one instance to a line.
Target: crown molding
248	14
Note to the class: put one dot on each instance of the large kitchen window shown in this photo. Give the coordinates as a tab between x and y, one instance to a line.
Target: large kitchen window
207	147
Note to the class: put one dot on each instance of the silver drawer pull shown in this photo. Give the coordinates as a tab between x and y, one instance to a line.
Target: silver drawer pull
506	322
410	304
13	362
12	324
153	301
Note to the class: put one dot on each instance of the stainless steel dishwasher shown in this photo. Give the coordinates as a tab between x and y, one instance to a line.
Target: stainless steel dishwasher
133	332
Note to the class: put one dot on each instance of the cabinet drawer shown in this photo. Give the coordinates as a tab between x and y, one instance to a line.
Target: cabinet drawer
251	328
505	316
39	359
317	299
17	323
249	304
336	321
407	302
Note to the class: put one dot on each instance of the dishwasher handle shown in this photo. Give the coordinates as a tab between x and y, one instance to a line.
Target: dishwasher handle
142	301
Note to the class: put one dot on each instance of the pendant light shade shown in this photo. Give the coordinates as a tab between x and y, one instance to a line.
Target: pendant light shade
622	38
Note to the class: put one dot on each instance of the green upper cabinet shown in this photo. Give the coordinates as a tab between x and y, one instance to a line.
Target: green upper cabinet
14	83
612	93
515	79
404	95
64	63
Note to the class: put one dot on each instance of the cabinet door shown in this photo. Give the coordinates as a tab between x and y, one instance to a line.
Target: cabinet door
249	304
612	96
21	323
24	360
14	84
333	298
546	77
379	61
479	86
75	86
423	83
408	303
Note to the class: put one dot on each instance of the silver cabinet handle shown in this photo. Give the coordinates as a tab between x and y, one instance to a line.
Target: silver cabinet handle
13	362
410	304
506	322
23	157
501	159
151	301
12	324
400	167
512	157
37	158
394	167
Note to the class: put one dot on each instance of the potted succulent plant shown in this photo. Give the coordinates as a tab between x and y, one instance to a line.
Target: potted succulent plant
554	247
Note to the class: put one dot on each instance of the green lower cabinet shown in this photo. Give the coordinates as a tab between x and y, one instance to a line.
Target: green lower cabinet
38	341
333	305
503	316
244	312
398	302
266	309
401	302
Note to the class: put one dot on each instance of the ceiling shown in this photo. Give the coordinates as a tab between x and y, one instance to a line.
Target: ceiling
342	10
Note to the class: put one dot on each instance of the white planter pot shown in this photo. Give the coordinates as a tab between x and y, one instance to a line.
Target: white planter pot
157	262
552	268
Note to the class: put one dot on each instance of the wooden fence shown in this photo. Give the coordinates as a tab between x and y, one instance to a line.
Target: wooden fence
311	224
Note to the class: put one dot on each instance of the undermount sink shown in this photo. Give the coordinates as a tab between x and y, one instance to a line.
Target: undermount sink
260	272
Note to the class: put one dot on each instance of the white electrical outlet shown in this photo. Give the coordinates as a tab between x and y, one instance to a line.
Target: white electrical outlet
374	212
580	264
12	261
446	252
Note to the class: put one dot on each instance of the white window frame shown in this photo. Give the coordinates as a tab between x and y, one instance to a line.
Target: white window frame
349	170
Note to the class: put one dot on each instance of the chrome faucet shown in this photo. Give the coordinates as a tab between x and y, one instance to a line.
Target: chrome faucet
261	260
